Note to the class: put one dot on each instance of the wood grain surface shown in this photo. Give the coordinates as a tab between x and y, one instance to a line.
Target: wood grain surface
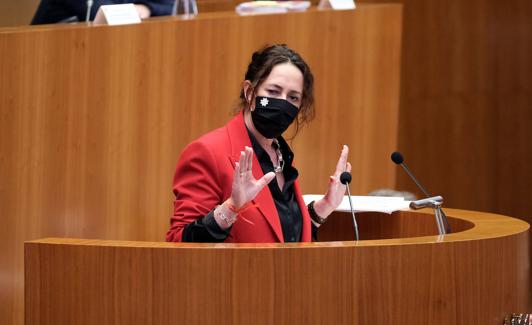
466	102
475	276
17	13
93	119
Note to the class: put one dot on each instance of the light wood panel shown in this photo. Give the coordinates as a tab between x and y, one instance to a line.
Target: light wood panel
17	13
476	276
466	102
93	119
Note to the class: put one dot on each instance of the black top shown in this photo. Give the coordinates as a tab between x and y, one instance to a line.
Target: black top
285	200
55	11
206	229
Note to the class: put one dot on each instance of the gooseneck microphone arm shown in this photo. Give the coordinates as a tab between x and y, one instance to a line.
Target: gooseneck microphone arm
345	178
415	180
398	159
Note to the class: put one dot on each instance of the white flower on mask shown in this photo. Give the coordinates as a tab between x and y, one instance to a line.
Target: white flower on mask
264	102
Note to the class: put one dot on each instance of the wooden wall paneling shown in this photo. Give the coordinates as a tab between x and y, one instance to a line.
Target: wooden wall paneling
446	124
512	33
465	99
368	115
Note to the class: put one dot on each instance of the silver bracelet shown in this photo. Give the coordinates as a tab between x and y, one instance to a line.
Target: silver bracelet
226	219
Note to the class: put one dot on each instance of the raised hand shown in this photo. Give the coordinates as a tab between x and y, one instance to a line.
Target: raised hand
336	190
245	186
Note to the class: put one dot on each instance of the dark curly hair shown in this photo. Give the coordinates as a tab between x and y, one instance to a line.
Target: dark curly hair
262	63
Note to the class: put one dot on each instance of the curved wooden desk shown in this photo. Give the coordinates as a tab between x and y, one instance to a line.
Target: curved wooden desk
474	276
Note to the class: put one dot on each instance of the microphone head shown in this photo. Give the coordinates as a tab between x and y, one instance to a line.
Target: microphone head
397	157
345	178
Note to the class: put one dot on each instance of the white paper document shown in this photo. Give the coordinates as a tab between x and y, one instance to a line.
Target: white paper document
337	4
385	204
271	7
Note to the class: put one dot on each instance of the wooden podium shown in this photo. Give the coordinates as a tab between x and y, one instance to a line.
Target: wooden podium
401	274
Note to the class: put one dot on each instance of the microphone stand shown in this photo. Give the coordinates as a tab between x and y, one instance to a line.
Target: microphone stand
443	223
345	178
440	217
89	7
435	203
355	225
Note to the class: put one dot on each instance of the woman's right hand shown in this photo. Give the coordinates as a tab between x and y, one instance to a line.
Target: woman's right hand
245	186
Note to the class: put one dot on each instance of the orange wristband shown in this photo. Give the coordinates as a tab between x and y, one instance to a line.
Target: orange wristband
235	210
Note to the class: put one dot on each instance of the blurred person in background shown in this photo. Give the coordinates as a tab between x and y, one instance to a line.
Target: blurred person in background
69	11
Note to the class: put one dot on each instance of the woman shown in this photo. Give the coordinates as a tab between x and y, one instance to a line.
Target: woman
237	183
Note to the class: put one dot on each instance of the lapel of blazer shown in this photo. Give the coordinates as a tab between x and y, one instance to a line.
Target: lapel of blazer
239	138
306	232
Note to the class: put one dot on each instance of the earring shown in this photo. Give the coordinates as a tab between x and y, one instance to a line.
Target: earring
251	107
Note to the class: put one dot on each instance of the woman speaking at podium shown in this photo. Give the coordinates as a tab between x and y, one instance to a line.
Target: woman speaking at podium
238	183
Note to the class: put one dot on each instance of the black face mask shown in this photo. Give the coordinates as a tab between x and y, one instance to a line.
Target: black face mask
273	116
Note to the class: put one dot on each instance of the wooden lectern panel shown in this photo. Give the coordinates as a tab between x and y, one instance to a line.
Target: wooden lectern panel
400	224
475	276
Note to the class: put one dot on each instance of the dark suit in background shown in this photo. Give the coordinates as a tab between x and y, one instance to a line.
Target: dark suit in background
54	11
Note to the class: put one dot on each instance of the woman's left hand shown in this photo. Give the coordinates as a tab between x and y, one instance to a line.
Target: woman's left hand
336	190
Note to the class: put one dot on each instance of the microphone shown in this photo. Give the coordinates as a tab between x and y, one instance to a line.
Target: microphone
89	7
345	178
398	159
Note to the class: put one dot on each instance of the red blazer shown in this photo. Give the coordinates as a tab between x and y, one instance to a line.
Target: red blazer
203	180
